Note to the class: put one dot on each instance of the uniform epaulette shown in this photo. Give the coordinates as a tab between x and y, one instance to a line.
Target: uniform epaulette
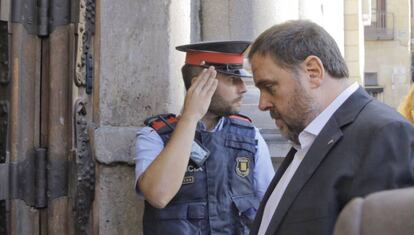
241	117
162	122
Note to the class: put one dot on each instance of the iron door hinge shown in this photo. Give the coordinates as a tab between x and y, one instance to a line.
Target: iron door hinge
41	17
26	180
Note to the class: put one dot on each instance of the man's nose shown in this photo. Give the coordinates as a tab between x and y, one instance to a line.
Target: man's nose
241	86
264	101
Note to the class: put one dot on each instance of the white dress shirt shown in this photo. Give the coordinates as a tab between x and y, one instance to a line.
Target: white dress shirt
306	139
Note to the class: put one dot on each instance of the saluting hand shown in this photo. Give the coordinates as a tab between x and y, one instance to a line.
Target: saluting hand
199	95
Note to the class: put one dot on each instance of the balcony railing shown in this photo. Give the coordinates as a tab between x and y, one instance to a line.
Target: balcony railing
376	91
372	87
382	26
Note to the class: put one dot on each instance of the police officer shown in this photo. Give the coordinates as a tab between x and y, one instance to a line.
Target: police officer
205	171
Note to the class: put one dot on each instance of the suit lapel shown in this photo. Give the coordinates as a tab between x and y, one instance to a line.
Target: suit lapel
258	219
318	151
326	139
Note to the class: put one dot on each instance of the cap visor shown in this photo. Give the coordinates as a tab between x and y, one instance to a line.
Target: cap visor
236	72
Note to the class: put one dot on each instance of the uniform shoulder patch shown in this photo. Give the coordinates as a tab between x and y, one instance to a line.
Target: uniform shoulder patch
161	121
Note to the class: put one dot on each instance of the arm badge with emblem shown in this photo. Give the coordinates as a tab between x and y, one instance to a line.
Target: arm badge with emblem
242	166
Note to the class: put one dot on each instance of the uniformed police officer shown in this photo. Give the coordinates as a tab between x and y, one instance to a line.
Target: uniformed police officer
205	171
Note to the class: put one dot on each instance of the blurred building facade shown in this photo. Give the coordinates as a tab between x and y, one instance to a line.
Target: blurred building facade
388	50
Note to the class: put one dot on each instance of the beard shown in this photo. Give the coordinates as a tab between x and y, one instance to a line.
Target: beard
301	111
221	107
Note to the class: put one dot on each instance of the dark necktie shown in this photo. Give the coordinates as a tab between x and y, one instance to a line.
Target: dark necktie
286	162
280	171
282	168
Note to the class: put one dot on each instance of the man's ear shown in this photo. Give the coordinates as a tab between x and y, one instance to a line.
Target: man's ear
315	70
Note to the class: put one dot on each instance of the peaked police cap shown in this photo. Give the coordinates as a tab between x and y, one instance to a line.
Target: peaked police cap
226	56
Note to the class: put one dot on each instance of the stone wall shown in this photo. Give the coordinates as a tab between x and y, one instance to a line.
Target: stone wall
354	40
139	76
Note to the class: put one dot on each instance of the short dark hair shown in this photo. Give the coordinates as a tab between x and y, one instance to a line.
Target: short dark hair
189	72
290	43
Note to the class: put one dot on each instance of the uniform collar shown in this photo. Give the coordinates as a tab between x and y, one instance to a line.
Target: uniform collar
218	127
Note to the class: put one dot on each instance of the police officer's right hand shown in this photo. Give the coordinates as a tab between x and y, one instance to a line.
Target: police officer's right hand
199	95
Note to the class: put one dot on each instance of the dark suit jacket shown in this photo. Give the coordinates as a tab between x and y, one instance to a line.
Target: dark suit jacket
364	147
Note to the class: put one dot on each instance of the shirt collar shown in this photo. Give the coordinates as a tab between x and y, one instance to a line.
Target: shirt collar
314	128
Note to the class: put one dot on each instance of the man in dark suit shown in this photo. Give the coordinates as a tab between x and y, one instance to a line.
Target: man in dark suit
345	143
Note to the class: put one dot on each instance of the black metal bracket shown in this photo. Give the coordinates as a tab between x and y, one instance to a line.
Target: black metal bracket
84	58
4	109
85	170
4	54
4	116
41	17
